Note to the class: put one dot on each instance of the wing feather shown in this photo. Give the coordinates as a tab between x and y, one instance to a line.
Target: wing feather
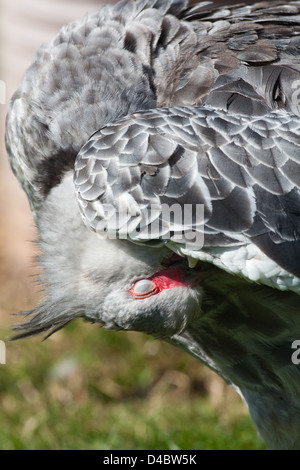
246	183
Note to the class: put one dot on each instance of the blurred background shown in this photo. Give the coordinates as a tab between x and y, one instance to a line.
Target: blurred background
86	388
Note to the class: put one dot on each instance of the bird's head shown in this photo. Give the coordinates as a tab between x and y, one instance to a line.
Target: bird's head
142	289
117	283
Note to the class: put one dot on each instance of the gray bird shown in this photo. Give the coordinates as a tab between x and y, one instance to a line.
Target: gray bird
159	147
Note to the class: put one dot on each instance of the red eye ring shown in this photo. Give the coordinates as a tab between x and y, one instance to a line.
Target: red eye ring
143	288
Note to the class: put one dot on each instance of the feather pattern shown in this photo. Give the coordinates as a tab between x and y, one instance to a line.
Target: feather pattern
163	167
146	108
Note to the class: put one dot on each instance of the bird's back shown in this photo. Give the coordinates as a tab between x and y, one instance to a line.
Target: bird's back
141	55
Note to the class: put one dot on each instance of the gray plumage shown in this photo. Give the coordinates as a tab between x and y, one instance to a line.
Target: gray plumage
145	105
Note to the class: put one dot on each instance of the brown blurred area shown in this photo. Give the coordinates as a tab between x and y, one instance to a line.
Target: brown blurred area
24	26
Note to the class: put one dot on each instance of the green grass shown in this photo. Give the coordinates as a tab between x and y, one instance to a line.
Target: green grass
86	388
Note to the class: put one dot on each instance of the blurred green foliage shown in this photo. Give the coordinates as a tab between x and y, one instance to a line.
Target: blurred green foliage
87	388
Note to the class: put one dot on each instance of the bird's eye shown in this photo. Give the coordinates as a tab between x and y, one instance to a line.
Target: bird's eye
143	288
